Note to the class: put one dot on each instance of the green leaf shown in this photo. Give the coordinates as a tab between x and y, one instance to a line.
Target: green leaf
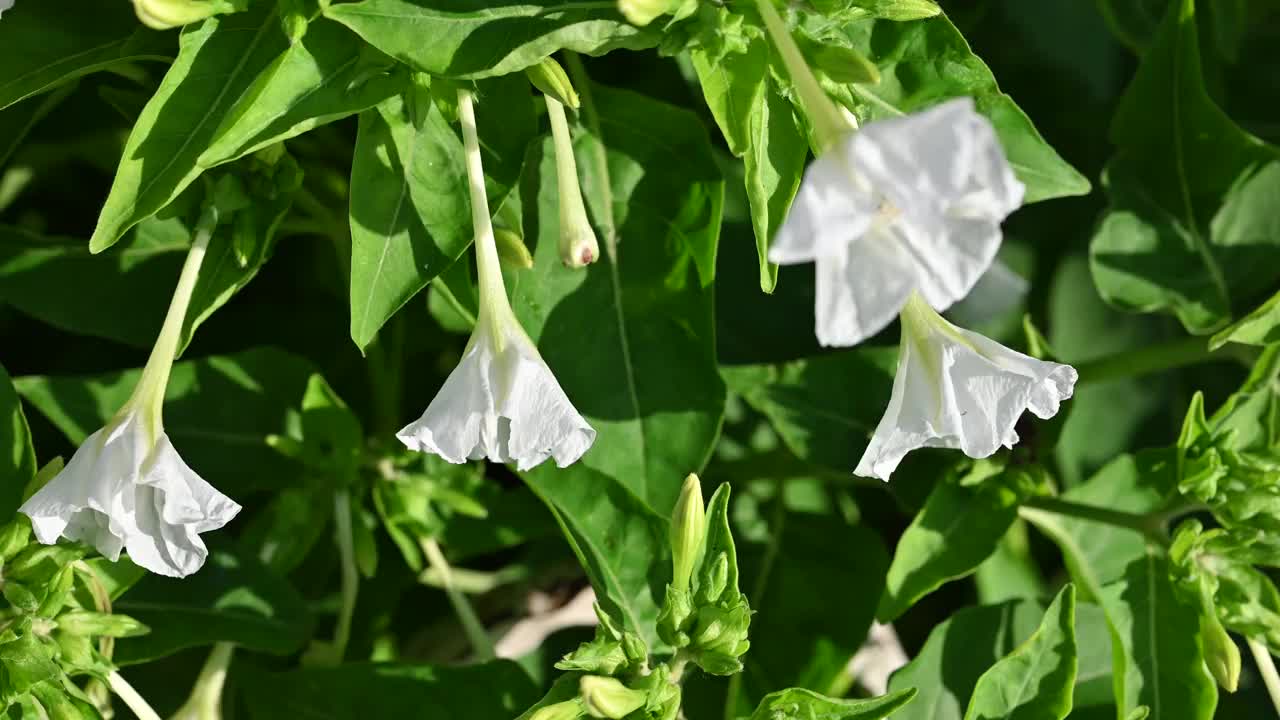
495	690
1159	645
957	529
812	614
24	662
218	62
800	704
233	598
218	412
1097	553
473	41
1011	572
1260	327
327	76
1191	227
410	209
926	61
17	457
762	128
16	122
1035	681
45	43
825	408
958	651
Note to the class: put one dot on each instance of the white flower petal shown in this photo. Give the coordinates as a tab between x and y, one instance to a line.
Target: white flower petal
829	212
859	290
122	491
958	389
502	405
5	5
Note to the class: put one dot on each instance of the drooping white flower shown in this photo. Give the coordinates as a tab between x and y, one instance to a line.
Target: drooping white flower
908	204
126	487
958	389
501	402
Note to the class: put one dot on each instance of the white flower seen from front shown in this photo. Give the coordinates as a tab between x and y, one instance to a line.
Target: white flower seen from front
957	389
902	205
501	402
126	487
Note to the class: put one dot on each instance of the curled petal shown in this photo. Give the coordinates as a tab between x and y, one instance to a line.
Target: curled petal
829	212
121	490
958	389
501	404
859	290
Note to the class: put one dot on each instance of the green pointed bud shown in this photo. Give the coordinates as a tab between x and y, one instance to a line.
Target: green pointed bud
643	12
567	710
58	591
85	622
578	246
511	248
293	19
166	14
553	81
715	578
673	619
842	64
605	697
1220	652
634	649
688	532
14	536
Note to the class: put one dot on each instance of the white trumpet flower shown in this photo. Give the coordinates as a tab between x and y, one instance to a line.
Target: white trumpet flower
957	389
501	402
126	487
902	205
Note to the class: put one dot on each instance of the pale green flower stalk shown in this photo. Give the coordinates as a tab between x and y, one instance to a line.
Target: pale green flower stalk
205	701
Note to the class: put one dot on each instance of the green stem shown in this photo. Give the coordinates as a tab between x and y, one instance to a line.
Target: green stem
829	125
130	697
479	637
148	394
1143	361
1148	525
350	574
1267	666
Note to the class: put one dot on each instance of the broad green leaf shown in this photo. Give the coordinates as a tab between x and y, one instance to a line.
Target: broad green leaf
49	42
1097	553
17	457
496	690
218	412
825	408
926	61
645	375
957	530
233	598
800	704
812	614
326	76
1159	645
1011	572
410	210
956	654
1093	698
218	62
16	122
1252	413
1191	228
1036	681
466	40
1260	327
760	127
123	295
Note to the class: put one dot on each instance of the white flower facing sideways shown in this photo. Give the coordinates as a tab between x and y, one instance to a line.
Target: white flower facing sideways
957	389
912	203
501	402
126	487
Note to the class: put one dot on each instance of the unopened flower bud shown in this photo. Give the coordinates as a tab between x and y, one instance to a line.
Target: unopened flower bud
85	622
553	81
688	531
511	248
643	12
166	14
578	246
605	697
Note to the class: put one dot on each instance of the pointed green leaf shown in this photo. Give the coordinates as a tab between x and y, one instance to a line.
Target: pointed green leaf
1034	682
17	457
800	704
